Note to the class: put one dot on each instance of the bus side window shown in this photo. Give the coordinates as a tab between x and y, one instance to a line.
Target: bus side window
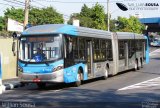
69	47
82	48
109	50
121	46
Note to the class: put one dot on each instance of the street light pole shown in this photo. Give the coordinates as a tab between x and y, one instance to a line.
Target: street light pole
108	16
26	12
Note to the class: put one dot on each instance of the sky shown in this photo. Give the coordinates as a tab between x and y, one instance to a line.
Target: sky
66	8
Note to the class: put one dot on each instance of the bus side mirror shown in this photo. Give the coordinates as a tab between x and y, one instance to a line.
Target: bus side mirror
14	48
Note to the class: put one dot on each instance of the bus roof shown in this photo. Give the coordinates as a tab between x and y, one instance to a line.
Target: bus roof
129	35
76	31
66	29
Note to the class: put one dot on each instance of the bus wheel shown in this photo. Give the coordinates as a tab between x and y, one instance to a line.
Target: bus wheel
79	77
41	85
106	74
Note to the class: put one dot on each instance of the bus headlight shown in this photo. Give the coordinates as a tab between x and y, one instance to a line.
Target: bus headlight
57	68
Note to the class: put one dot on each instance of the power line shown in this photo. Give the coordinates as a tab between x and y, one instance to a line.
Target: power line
39	3
19	1
73	2
9	4
14	2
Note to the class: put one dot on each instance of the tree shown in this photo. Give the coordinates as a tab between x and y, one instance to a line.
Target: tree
98	17
91	17
16	14
36	16
45	16
2	24
130	25
86	11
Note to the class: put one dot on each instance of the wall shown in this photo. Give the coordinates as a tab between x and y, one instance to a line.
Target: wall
8	60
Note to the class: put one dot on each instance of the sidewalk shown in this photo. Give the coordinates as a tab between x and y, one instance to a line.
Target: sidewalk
11	83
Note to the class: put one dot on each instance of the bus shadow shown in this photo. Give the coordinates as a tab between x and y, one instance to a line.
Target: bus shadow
64	86
145	72
58	86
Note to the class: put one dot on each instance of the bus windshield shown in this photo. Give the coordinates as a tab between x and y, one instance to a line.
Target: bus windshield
40	49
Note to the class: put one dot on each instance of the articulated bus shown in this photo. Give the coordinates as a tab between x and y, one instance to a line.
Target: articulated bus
71	54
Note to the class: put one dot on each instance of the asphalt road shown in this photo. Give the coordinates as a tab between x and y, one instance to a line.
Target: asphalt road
131	89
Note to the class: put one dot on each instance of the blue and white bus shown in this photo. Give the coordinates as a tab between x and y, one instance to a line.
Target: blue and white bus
73	54
155	42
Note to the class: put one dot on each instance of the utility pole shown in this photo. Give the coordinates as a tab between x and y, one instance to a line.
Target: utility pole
1	86
108	15
26	12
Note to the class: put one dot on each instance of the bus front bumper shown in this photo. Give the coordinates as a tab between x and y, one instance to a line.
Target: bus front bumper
55	77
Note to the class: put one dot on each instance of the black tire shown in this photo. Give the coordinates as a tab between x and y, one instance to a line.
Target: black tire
41	85
79	78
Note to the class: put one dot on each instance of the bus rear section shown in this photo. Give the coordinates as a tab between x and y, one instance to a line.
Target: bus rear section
131	51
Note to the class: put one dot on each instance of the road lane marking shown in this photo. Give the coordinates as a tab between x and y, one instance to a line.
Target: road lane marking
154	52
145	84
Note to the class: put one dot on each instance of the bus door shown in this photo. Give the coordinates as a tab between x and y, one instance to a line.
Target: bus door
126	54
89	58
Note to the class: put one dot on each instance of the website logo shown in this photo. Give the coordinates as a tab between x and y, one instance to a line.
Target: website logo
138	6
122	6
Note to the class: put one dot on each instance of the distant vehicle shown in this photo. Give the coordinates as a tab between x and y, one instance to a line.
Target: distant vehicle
73	54
155	42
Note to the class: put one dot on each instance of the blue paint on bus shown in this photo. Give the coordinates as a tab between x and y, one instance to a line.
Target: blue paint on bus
70	73
68	29
40	68
147	50
51	29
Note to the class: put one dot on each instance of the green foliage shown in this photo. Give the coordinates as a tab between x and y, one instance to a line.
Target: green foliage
113	25
98	17
86	11
36	16
91	17
45	16
95	17
2	24
130	25
16	14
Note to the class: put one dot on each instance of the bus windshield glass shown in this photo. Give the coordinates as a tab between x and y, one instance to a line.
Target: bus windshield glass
40	49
